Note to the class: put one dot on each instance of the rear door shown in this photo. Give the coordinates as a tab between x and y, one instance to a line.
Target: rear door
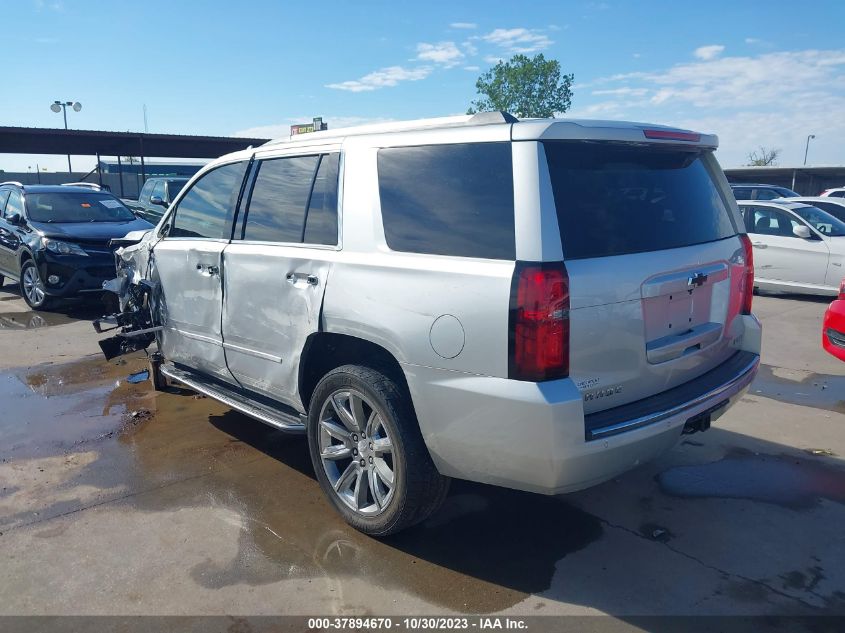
188	262
277	268
779	254
649	238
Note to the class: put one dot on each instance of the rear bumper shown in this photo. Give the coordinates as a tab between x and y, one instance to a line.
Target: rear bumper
533	436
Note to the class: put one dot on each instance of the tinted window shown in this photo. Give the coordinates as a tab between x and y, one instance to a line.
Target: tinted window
4	195
448	199
836	210
770	221
174	187
158	190
321	225
822	221
15	204
616	199
276	210
767	194
205	210
146	190
75	207
742	193
837	194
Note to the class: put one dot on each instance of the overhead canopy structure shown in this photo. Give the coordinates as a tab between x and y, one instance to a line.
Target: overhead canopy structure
33	140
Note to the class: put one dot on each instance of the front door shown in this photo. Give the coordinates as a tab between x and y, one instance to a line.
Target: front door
779	254
10	234
189	264
277	269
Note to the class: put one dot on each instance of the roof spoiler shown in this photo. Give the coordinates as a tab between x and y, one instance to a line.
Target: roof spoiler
488	118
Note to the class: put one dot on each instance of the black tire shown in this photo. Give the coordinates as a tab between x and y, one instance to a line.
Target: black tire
2	280
418	489
46	302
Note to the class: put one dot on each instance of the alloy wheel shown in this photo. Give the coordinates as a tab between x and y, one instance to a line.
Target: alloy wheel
32	286
356	452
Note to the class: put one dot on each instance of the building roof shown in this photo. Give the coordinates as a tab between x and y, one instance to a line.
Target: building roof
33	140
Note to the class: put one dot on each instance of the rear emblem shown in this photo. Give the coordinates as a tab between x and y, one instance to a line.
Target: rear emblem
603	393
697	279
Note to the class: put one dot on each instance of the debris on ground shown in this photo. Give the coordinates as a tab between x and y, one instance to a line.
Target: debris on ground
139	376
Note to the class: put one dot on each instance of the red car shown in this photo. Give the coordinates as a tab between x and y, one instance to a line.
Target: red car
833	329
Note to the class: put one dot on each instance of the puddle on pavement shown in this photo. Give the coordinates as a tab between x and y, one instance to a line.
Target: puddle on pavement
793	482
30	320
486	550
820	391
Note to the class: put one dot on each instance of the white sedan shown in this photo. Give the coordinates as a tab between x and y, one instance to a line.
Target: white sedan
797	247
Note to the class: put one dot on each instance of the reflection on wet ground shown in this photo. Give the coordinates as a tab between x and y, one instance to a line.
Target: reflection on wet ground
799	387
485	550
793	482
85	427
68	313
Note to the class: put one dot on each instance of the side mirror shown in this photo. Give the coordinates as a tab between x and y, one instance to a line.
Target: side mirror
802	231
158	201
14	218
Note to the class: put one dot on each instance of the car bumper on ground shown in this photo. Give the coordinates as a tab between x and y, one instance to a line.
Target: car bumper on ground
535	436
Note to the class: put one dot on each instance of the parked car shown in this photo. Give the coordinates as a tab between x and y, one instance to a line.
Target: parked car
837	192
834	206
798	247
540	305
748	191
156	195
54	239
833	327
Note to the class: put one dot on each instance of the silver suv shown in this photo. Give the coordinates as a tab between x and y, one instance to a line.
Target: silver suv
536	304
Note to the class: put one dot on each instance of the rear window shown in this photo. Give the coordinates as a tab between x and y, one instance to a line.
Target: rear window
618	199
448	199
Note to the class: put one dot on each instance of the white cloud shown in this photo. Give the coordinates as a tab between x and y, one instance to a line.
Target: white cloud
472	68
384	77
518	40
752	40
470	48
445	53
739	98
463	25
633	92
708	52
493	59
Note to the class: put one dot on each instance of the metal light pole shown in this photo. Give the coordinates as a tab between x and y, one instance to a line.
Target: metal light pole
62	105
807	148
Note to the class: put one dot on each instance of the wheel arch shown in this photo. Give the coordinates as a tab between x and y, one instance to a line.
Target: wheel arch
324	351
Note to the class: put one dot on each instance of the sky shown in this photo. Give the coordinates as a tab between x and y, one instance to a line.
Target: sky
755	73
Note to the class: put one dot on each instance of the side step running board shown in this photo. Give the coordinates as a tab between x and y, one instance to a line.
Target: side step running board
288	422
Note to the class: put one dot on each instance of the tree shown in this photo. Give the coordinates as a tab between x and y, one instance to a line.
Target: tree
525	87
763	157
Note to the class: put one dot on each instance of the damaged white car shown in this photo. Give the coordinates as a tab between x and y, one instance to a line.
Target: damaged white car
536	304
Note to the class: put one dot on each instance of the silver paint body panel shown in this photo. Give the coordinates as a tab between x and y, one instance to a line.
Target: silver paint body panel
477	423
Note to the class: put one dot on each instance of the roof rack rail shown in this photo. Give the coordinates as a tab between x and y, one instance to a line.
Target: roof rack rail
497	116
87	185
12	182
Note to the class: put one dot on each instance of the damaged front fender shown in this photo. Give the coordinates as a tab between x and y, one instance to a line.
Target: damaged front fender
138	293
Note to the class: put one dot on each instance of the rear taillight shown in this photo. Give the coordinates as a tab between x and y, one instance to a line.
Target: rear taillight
748	276
842	290
824	192
539	322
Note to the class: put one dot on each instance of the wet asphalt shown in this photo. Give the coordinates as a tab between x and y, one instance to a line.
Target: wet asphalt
115	499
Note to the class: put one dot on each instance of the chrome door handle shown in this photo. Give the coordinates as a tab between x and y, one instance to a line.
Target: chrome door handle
312	280
759	245
291	278
213	270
